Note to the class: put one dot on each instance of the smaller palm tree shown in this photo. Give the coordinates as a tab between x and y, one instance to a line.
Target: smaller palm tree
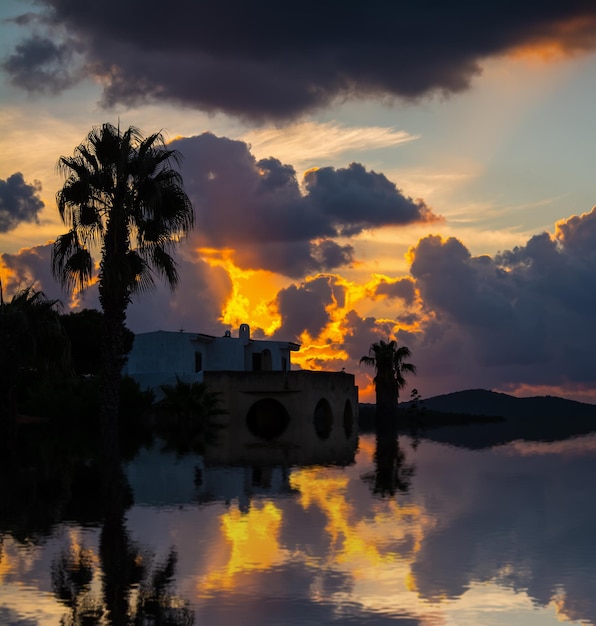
185	416
389	361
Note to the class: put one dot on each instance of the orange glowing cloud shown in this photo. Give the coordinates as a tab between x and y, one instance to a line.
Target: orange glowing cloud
252	292
566	38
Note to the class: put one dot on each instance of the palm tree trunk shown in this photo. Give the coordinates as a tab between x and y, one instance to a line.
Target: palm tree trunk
114	299
386	413
112	362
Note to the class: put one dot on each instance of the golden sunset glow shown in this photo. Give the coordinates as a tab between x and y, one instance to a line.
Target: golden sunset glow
252	292
253	541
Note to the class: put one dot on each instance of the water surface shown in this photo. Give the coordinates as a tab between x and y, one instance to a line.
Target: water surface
418	535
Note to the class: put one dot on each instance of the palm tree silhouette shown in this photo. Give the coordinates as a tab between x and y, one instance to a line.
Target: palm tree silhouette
125	206
388	359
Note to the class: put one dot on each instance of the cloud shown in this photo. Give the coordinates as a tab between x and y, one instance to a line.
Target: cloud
19	202
303	308
525	315
361	333
195	306
257	207
260	64
30	267
39	64
403	288
313	142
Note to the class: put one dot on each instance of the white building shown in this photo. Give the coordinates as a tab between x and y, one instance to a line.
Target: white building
157	358
314	414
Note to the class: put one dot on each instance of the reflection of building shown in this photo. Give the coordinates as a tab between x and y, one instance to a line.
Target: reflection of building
282	416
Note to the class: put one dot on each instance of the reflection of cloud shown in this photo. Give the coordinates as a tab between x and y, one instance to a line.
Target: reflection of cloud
580	446
476	540
524	524
254	545
26	604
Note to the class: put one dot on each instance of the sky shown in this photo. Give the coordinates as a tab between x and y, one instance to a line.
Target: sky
358	172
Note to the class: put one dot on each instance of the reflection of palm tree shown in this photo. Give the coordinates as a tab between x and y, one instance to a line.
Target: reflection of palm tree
123	200
133	592
156	604
32	339
72	574
391	473
391	367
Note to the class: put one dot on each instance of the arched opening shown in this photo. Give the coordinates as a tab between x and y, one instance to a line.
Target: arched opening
323	419
261	361
348	419
267	419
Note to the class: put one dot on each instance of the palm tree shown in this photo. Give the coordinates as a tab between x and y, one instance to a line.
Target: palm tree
391	368
125	206
185	418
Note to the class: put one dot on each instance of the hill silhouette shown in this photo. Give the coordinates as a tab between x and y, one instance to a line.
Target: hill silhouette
491	403
479	418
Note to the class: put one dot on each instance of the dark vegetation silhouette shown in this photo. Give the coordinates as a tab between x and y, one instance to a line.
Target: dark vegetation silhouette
125	206
184	417
391	368
84	329
32	341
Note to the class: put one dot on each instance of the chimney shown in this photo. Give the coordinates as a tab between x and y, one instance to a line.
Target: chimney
244	334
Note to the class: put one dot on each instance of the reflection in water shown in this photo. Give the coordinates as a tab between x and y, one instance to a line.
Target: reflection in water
501	536
392	474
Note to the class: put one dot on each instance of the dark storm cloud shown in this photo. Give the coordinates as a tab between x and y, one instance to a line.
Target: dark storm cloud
19	202
360	333
527	314
257	208
40	64
361	199
294	259
403	288
259	61
304	307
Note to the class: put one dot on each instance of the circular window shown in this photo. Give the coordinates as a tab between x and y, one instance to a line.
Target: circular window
267	419
348	419
323	419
